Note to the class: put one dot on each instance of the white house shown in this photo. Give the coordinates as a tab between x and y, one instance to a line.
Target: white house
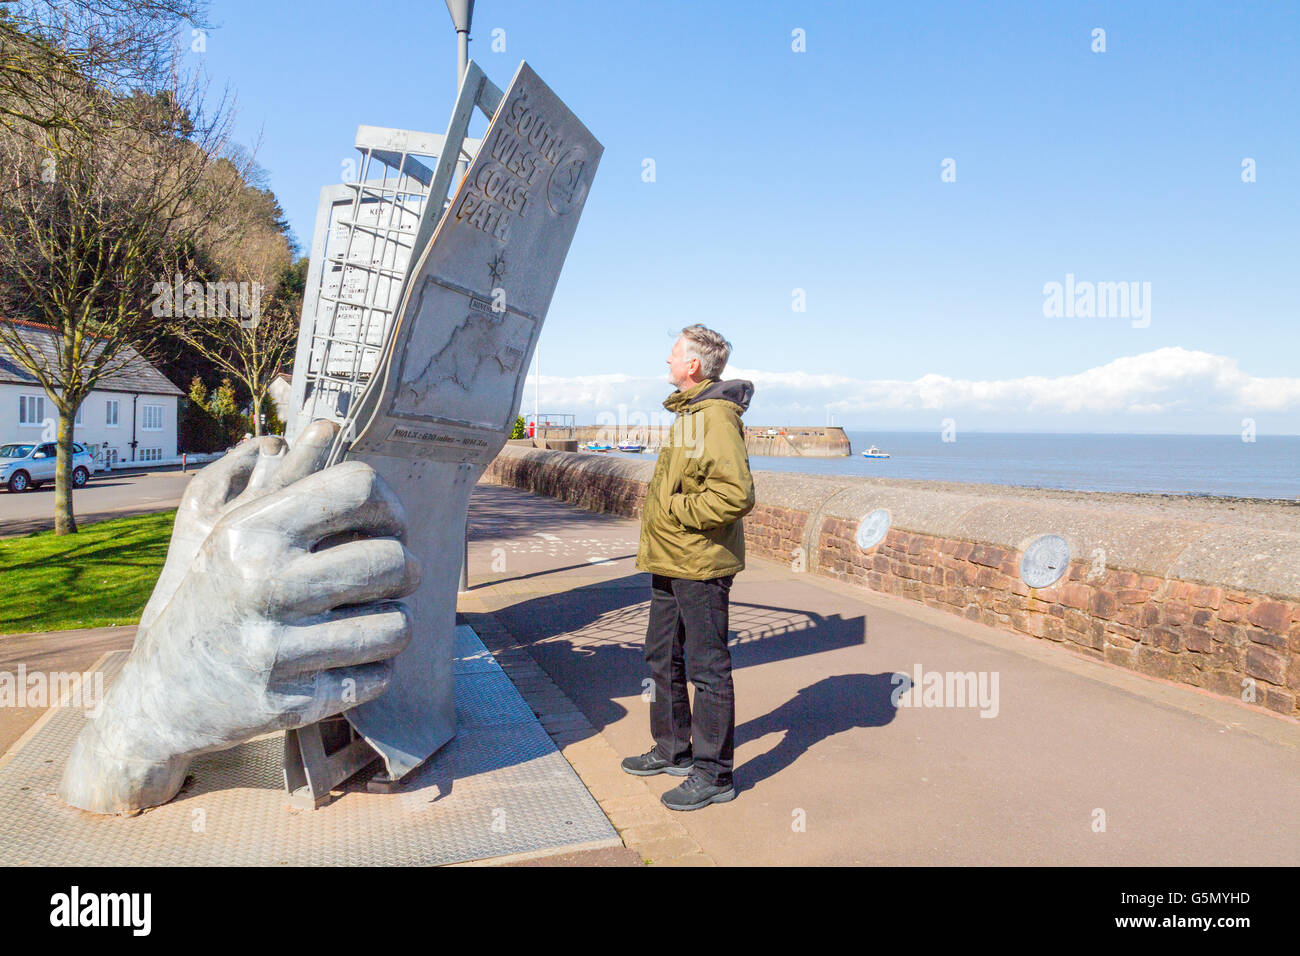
281	390
129	417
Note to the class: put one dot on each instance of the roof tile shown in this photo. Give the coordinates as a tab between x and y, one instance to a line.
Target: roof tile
132	374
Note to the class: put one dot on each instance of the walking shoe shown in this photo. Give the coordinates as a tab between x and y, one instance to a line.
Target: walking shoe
696	792
649	764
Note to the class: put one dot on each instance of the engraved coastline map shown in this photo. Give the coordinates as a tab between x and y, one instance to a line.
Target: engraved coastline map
474	364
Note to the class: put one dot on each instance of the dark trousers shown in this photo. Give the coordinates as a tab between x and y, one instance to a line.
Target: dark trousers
687	640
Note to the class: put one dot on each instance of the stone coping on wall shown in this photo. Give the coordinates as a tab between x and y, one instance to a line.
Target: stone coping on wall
1241	543
1200	590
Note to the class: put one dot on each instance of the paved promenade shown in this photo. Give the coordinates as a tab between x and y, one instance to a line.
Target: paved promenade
1083	764
52	652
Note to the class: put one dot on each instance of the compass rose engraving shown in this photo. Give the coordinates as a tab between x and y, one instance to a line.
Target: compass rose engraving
497	268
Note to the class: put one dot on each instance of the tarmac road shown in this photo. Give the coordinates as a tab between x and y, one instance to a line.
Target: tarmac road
105	496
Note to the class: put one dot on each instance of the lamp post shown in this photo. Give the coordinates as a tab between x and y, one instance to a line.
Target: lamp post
462	12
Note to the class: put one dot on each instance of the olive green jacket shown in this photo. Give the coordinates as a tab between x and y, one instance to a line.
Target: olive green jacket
701	487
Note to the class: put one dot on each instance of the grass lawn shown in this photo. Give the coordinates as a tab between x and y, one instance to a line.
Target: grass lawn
100	576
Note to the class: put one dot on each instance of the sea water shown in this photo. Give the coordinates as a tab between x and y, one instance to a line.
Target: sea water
1268	467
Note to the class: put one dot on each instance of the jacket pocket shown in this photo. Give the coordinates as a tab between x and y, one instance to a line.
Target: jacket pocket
691	482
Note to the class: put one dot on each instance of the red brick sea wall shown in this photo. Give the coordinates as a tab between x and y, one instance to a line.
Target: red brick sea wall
1154	586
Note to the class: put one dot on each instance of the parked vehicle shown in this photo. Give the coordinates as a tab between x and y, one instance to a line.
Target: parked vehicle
26	465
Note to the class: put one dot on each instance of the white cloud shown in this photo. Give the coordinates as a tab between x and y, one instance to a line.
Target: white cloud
1164	381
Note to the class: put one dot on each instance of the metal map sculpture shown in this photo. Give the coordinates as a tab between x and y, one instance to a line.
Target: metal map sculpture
278	604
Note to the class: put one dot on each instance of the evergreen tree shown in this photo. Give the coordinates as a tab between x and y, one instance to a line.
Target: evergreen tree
225	409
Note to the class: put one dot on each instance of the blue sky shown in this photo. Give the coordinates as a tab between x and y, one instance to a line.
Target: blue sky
821	171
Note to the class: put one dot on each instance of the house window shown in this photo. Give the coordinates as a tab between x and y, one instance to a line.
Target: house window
110	413
151	416
31	409
77	420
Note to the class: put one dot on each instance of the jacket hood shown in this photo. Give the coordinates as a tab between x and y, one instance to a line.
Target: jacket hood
738	391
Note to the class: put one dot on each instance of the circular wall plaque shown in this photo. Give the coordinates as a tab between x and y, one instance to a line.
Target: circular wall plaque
873	528
1045	560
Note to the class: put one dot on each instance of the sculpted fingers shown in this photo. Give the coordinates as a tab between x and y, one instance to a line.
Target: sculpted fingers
349	499
260	466
226	477
348	637
308	455
271	455
353	573
213	491
334	691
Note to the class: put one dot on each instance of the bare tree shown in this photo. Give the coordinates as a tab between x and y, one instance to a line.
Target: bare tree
55	54
254	352
255	252
254	355
91	224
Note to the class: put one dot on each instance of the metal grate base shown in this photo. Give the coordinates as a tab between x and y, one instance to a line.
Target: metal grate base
499	788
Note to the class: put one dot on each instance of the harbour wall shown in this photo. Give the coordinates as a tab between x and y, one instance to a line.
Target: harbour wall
779	441
1202	592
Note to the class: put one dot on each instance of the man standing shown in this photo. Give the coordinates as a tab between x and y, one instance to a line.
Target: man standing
693	543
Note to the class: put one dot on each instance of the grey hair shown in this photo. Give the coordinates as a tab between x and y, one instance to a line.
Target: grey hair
709	347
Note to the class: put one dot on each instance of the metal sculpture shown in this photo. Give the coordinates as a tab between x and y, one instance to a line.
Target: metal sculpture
430	399
277	605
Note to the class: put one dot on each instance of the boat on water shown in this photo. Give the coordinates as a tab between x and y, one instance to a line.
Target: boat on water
629	445
874	452
597	446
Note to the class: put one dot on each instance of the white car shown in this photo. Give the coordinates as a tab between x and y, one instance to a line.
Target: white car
25	465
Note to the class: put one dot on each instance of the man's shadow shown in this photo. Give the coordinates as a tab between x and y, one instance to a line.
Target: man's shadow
828	707
591	638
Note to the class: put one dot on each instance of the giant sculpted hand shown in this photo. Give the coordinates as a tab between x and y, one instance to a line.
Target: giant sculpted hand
274	609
